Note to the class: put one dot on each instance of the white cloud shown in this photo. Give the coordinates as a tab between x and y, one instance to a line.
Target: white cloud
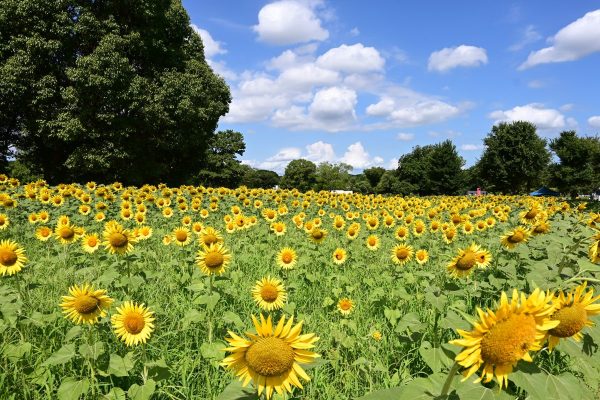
536	84
383	107
452	57
471	147
574	41
211	46
543	118
287	22
319	152
567	107
392	164
334	104
594	121
530	35
352	59
286	154
424	112
406	137
358	157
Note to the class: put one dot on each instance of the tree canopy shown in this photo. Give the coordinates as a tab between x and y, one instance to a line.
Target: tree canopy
300	174
515	158
106	90
333	176
221	167
578	169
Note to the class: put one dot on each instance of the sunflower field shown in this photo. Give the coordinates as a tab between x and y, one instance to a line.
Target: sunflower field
153	292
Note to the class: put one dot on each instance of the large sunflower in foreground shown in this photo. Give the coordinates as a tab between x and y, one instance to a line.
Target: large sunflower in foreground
572	310
133	323
84	305
213	259
12	257
271	358
503	337
118	240
269	294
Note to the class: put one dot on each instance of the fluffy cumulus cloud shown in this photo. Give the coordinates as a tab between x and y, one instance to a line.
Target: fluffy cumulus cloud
353	59
594	121
574	41
358	157
319	152
542	117
213	48
288	22
334	105
461	56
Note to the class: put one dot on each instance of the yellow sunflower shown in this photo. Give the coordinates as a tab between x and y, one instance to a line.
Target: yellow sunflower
401	233
317	235
4	221
514	237
287	258
210	236
271	359
401	254
43	233
85	305
90	243
465	262
503	337
422	256
118	240
269	294
345	306
133	323
213	259
594	251
373	242
12	257
339	256
67	233
572	311
182	236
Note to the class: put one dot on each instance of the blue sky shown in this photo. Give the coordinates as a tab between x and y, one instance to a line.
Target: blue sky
364	82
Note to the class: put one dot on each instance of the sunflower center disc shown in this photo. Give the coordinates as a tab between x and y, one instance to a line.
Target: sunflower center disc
402	254
317	235
209	239
270	356
345	305
287	258
86	304
572	320
508	340
66	232
213	260
92	241
531	214
181	236
516	238
117	239
268	293
372	242
8	257
467	261
134	323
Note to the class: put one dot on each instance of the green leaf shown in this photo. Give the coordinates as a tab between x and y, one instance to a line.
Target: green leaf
15	352
213	351
439	302
230	317
158	370
71	389
144	392
540	385
73	333
235	391
61	356
120	366
210	300
192	316
92	351
392	315
436	358
115	393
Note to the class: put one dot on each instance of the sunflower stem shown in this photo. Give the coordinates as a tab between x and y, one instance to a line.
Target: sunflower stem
448	383
210	322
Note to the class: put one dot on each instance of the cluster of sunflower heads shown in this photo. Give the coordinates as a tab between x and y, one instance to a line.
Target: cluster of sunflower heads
272	357
522	326
132	323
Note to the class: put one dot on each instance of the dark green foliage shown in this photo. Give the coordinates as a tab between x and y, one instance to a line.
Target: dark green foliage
222	168
432	169
390	184
578	170
260	178
333	176
373	175
515	158
300	174
106	90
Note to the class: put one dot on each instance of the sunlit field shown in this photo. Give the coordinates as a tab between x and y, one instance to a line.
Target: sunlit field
169	293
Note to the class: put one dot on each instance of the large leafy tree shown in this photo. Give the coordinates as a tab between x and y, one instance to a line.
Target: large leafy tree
515	158
105	90
300	174
222	168
432	169
333	176
259	178
373	175
578	169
